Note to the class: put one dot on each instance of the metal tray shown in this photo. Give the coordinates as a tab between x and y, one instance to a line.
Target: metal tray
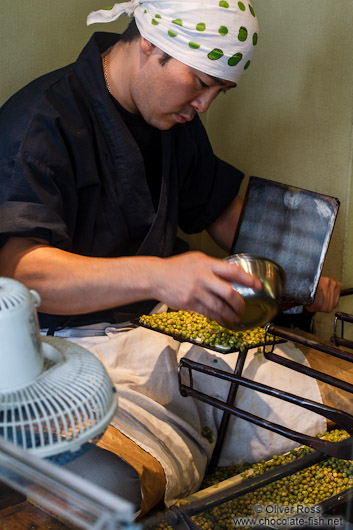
197	342
204	508
291	226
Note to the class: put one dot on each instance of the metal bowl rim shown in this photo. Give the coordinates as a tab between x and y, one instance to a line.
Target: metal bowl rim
257	257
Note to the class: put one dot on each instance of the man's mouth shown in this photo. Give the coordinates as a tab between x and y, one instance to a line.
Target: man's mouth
183	118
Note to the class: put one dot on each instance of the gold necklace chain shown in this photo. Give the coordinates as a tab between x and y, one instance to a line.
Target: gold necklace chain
106	72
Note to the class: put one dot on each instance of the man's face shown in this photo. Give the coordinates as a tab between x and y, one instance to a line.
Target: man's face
166	93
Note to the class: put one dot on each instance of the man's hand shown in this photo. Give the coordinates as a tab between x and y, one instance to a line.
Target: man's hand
327	296
194	281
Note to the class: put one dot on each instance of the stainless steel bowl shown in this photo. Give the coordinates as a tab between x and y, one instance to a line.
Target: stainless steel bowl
260	306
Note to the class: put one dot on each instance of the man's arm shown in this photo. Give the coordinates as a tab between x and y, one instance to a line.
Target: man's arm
223	231
73	284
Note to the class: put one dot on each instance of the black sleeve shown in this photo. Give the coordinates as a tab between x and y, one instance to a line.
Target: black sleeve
30	202
38	196
207	183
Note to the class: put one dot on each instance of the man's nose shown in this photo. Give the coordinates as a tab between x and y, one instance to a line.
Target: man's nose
203	101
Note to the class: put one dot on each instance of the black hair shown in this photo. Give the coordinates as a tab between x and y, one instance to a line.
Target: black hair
132	33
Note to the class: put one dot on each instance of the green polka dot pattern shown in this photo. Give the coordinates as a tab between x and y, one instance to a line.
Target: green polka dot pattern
201	26
215	54
217	37
234	60
243	34
223	30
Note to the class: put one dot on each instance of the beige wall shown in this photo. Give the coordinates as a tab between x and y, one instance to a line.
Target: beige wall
38	36
290	119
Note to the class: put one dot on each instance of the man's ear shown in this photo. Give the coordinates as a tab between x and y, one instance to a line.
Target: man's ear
147	47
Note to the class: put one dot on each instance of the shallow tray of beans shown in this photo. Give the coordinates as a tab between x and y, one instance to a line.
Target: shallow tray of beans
195	328
305	488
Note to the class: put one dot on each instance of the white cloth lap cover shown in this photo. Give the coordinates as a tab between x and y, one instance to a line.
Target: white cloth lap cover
152	413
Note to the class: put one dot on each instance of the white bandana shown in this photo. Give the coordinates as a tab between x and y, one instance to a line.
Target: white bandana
216	37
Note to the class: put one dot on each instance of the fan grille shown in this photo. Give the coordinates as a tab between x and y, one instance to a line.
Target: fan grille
12	294
71	402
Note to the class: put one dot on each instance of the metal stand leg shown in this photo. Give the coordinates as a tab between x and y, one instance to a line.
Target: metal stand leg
226	416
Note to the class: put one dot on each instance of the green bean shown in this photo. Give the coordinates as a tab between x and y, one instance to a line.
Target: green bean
201	330
305	487
208	434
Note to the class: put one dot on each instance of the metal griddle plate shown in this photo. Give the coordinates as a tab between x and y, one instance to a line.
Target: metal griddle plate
291	226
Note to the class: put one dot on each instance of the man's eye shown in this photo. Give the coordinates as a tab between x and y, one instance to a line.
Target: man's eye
203	84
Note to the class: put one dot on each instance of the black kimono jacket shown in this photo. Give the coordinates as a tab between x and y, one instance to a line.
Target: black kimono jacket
72	174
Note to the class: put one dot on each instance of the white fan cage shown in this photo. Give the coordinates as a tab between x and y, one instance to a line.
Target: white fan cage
66	407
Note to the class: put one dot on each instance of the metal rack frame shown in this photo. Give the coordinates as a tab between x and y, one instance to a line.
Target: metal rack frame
236	380
340	340
344	420
180	517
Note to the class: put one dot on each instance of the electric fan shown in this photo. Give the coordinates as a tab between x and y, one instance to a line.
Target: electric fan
56	398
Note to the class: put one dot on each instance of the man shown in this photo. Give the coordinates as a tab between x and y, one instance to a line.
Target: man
53	234
104	159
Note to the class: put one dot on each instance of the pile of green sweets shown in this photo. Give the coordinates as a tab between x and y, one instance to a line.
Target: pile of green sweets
198	328
307	487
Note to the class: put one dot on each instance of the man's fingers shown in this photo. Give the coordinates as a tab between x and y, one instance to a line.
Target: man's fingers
221	303
327	296
234	273
194	281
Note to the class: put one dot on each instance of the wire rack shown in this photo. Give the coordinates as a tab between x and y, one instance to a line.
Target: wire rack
179	518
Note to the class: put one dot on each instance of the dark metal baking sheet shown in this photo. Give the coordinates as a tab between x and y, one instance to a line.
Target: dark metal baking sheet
219	349
291	226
